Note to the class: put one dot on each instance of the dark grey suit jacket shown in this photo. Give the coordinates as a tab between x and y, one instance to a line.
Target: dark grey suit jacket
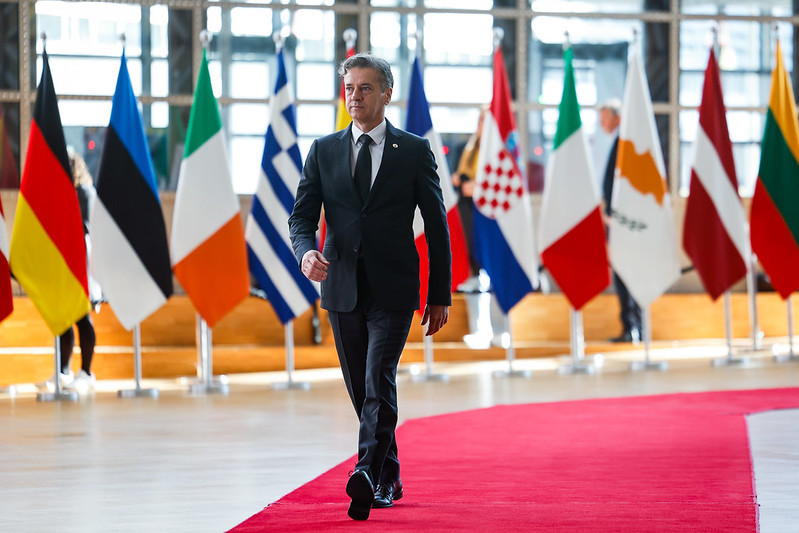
382	228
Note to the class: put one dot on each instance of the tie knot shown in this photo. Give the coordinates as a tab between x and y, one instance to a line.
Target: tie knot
364	140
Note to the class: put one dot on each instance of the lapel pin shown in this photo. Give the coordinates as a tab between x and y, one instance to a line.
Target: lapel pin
395	145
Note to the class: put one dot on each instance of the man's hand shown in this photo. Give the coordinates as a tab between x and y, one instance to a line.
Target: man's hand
314	265
435	316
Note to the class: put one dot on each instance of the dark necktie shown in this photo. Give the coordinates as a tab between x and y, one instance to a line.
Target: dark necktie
363	167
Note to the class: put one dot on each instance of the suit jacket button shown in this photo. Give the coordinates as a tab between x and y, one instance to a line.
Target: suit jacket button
363	215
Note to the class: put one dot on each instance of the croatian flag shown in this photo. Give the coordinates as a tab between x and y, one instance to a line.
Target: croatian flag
269	251
503	220
420	123
130	256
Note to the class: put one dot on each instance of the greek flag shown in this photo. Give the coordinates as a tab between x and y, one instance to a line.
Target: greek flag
271	259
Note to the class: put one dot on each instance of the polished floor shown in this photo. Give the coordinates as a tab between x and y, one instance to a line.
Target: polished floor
187	462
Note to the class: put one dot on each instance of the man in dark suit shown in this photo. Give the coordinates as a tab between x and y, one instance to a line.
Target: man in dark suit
609	121
370	187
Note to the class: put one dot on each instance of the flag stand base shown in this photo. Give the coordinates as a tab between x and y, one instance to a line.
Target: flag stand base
291	385
427	375
638	366
730	361
62	395
577	368
214	385
786	358
137	393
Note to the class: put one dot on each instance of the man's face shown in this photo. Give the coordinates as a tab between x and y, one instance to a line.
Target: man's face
608	121
365	101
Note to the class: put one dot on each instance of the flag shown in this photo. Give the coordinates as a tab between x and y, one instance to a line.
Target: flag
714	231
48	248
420	123
343	120
272	261
6	298
642	237
130	256
503	221
571	229
774	216
208	252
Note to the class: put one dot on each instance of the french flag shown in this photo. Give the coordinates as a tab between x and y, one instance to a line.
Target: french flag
503	220
420	123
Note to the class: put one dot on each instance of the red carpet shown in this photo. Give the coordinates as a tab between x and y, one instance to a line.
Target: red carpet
677	462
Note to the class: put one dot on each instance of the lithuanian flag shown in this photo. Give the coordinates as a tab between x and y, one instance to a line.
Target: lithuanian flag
209	255
48	250
774	219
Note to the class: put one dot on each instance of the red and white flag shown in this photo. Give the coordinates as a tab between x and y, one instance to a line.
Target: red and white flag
6	299
715	230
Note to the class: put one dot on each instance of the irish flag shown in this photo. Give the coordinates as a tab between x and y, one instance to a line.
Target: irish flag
642	238
48	249
571	231
774	217
714	232
209	255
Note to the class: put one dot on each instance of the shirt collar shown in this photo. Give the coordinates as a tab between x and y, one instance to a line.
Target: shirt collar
378	133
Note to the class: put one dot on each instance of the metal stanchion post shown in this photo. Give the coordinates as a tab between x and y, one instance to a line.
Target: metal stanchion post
729	360
138	392
208	383
58	393
290	384
578	365
510	355
646	364
428	374
790	356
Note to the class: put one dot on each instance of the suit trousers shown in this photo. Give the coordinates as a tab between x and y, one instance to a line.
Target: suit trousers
369	342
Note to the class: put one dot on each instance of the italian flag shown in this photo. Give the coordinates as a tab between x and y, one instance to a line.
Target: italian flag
571	230
208	252
774	219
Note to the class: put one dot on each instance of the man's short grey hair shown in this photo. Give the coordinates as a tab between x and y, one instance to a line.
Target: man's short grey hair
613	105
369	61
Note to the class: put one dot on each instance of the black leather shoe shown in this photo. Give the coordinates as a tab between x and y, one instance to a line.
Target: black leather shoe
386	493
628	335
362	492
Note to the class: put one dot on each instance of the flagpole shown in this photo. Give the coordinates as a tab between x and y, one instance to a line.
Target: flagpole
290	383
58	393
138	392
729	360
647	364
206	382
510	354
577	341
790	356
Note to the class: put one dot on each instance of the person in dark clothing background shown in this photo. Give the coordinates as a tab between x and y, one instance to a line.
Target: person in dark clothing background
609	120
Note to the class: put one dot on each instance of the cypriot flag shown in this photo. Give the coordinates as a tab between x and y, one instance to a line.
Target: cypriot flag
642	237
209	256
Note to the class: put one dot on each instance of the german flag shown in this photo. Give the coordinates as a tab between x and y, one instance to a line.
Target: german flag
48	250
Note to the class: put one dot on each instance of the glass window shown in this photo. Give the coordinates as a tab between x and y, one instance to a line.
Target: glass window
9	43
9	146
586	6
780	8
